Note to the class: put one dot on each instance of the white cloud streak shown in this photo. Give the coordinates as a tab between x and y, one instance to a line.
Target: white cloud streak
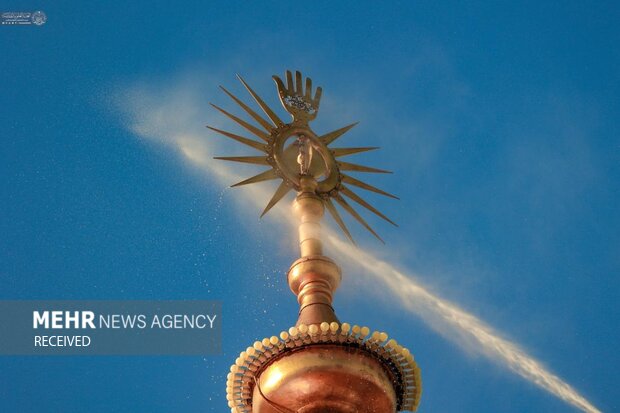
176	117
459	326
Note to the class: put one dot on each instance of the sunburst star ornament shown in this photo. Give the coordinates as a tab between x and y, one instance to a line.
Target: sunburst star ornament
293	151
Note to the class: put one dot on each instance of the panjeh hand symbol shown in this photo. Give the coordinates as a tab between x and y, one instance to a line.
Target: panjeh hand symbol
298	103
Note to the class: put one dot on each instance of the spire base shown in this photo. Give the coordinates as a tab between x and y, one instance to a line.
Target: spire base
325	378
327	367
314	279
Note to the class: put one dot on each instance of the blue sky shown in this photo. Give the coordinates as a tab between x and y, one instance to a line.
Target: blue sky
500	121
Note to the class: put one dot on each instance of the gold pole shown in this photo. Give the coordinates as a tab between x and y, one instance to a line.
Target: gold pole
309	210
313	278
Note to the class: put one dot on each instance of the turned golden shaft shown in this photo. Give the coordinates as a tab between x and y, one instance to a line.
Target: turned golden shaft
309	210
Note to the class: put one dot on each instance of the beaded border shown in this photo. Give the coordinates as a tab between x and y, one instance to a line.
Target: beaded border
404	370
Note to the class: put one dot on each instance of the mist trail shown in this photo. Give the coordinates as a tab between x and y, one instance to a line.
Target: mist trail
177	119
453	323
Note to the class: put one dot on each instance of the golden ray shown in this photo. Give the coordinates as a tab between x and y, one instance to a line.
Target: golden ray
350	180
256	145
270	113
268	175
334	213
346	191
338	152
346	166
257	160
268	127
332	136
243	123
355	215
282	190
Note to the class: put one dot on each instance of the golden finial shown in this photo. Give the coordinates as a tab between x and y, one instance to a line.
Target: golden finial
293	150
362	371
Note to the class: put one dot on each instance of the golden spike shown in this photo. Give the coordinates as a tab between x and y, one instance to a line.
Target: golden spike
334	212
256	145
257	160
268	127
332	136
270	113
246	125
343	203
264	176
346	191
282	190
346	166
350	180
350	151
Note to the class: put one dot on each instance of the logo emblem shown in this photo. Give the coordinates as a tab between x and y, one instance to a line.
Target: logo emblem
39	18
